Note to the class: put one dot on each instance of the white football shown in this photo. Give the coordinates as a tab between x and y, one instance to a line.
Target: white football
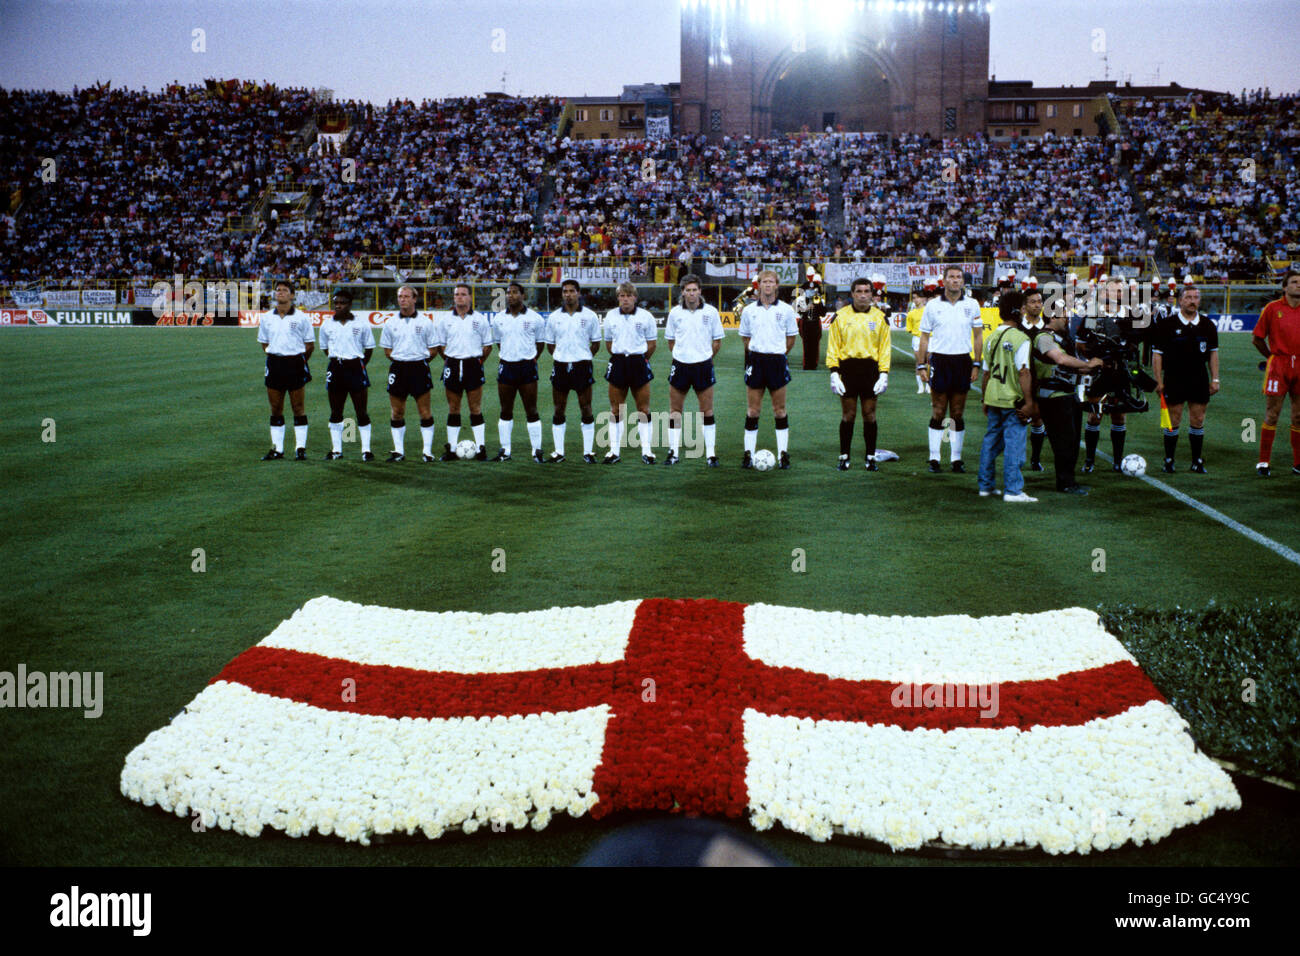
1135	466
764	460
466	449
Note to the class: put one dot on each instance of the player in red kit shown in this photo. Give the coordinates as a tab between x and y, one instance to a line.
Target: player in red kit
1277	336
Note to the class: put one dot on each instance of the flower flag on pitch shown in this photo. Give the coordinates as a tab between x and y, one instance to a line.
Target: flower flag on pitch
1025	729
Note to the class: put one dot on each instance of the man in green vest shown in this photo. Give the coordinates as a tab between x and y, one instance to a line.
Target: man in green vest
1008	401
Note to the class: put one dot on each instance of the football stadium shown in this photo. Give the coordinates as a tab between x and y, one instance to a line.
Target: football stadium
927	496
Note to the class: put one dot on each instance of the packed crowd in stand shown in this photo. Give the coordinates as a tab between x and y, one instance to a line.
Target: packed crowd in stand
453	181
1218	177
973	198
669	198
146	185
143	182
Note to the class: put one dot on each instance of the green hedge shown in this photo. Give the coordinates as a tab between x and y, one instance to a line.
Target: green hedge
1200	659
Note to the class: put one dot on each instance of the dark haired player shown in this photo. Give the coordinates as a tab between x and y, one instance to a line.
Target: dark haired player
572	338
694	334
287	338
349	343
858	358
521	335
1277	338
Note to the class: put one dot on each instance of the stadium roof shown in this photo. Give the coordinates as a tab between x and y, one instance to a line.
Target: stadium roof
1023	89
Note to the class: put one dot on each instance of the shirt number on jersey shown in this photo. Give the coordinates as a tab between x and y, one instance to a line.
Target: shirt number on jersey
392	378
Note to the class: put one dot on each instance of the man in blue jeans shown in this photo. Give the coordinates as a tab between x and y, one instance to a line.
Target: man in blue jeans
1008	401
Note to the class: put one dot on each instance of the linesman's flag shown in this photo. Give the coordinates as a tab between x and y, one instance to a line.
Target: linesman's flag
1028	729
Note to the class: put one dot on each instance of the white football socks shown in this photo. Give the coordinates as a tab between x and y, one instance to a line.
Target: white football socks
505	427
336	437
364	431
300	435
426	438
936	443
535	435
588	437
557	436
710	440
399	439
277	437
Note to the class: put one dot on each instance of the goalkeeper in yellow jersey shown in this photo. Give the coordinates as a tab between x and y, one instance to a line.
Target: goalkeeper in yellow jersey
857	355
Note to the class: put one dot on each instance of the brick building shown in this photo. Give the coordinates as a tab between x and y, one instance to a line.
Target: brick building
762	69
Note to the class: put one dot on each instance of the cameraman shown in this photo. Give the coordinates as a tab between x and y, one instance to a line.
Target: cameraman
1110	330
1055	366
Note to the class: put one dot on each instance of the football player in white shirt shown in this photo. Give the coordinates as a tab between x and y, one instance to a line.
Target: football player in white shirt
946	365
631	336
463	338
287	338
694	333
572	338
768	329
407	341
521	334
349	342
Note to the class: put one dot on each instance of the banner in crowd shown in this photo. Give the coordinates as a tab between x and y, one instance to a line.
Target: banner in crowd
842	274
61	297
1004	267
919	271
593	274
1125	272
98	297
26	298
787	273
658	127
311	299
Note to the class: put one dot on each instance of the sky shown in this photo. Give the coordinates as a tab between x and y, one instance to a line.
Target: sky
381	49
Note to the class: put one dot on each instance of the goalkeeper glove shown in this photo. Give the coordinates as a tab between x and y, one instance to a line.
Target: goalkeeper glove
837	386
882	383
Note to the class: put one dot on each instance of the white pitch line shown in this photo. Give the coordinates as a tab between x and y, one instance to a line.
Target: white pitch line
1281	550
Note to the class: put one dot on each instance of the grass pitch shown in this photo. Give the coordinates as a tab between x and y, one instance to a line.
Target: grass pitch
157	436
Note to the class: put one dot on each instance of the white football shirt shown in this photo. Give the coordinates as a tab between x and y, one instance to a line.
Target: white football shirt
693	332
346	341
518	335
410	337
950	325
285	334
768	326
628	333
572	334
464	336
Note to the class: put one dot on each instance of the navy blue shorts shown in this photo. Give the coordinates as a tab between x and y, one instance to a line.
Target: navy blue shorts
462	375
685	376
409	379
572	376
523	372
950	373
286	373
628	371
346	375
767	370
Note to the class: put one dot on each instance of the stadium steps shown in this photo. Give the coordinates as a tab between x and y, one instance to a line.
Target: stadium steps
835	212
1126	175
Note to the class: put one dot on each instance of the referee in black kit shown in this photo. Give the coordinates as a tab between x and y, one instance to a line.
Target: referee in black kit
1185	363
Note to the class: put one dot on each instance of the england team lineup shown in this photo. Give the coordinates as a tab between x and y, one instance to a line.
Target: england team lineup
1039	372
